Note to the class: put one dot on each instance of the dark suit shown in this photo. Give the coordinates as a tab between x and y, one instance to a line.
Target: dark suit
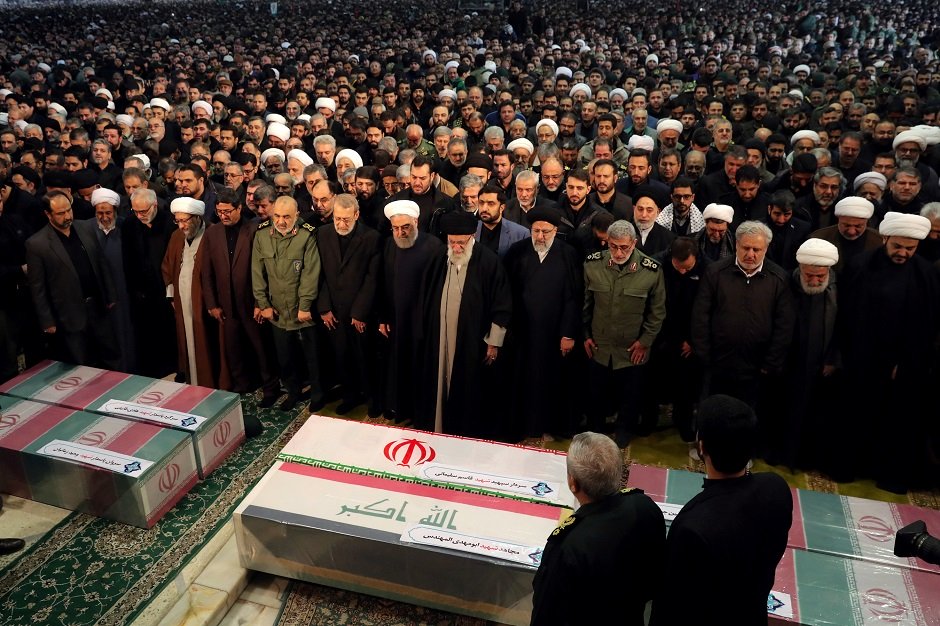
79	315
348	282
658	239
514	212
226	285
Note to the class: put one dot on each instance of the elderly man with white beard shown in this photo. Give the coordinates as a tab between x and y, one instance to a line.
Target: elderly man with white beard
812	362
468	304
407	254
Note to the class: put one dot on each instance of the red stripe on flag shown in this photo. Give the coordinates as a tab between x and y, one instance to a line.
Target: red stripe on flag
785	581
19	436
18	380
797	536
96	387
186	399
133	438
652	480
908	513
414	489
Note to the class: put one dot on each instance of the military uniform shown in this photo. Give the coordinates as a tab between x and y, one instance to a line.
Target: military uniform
285	274
622	304
602	561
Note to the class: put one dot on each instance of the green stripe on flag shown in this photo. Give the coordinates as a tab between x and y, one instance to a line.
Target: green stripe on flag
825	523
216	403
826	592
40	380
682	486
128	388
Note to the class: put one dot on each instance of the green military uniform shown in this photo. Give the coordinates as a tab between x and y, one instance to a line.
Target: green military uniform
622	304
285	272
425	148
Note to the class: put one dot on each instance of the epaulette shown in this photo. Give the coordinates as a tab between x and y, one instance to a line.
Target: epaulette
264	224
564	525
627	490
594	257
308	227
650	264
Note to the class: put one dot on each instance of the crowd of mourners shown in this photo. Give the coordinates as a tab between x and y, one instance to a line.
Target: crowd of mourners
509	223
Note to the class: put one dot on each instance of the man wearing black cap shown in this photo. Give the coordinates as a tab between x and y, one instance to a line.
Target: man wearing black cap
724	546
547	282
468	305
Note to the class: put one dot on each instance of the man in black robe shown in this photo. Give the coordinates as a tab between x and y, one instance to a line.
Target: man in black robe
889	308
406	256
468	305
547	286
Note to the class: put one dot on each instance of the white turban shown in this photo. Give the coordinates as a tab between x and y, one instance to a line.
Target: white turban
301	156
817	252
669	124
547	122
402	207
202	104
930	134
303	117
854	206
184	204
451	64
796	93
58	108
160	102
490	66
101	194
580	87
111	105
805	134
618	92
105	92
352	155
641	142
275	117
801	68
278	130
871	177
721	212
564	71
272	152
429	52
143	158
909	136
447	93
325	103
522	142
124	118
653	58
904	225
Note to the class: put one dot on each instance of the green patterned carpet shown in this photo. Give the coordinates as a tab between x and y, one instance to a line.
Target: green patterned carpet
92	571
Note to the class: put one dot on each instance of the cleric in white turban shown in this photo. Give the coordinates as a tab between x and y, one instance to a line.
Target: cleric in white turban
904	225
722	212
817	252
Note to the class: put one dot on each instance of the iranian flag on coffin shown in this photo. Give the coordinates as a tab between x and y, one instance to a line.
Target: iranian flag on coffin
858	528
434	459
823	590
124	470
212	418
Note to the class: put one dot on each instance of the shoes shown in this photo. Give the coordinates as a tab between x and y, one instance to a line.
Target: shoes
9	546
374	411
347	405
288	403
693	454
316	405
892	485
253	426
268	401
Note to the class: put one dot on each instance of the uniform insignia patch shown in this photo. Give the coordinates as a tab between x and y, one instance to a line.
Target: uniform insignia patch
309	227
565	523
633	266
264	224
298	266
594	257
650	264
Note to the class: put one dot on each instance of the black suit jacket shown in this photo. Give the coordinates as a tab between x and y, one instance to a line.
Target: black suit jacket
54	283
227	285
658	239
348	282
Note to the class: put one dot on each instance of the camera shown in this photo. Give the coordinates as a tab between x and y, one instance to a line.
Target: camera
914	540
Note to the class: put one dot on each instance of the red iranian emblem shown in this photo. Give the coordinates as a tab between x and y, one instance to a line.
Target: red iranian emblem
69	382
169	477
408	452
8	420
884	605
875	528
151	397
221	434
94	438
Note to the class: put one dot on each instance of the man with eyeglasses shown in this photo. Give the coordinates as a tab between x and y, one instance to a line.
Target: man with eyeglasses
145	236
546	279
228	297
681	216
828	185
468	307
349	256
624	309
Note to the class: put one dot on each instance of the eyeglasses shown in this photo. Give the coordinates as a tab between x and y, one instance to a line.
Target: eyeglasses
181	221
224	212
615	248
682	196
344	220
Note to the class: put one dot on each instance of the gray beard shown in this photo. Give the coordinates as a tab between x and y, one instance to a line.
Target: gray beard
813	291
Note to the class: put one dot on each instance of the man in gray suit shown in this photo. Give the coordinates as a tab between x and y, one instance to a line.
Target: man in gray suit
72	286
